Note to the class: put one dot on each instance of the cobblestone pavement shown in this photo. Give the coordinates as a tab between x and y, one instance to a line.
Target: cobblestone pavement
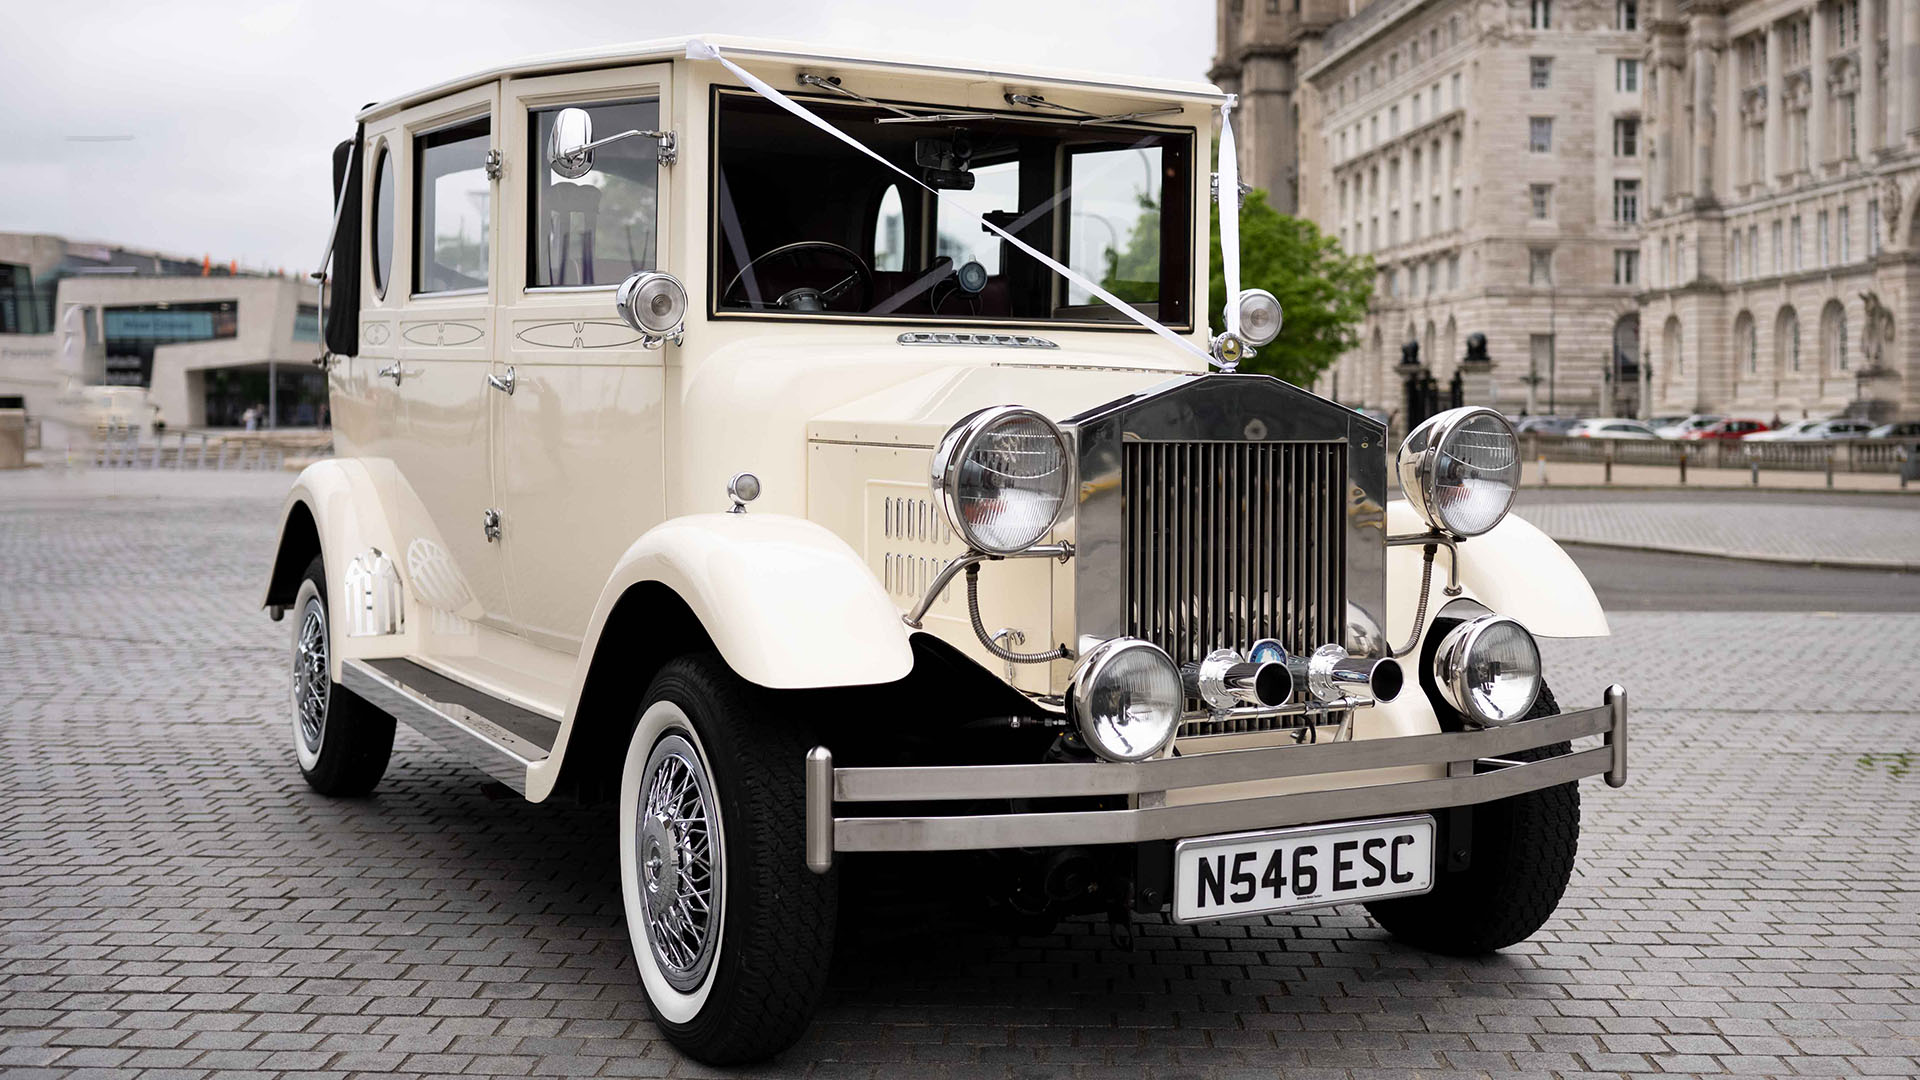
174	903
1761	529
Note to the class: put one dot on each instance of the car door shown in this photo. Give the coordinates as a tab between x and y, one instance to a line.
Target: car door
442	341
581	475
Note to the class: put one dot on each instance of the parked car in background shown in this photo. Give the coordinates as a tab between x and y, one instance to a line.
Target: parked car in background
1901	429
1796	429
1727	429
1679	429
1611	427
1838	429
1658	422
1545	425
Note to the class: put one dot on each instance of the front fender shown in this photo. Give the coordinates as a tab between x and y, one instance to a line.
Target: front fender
787	603
1514	569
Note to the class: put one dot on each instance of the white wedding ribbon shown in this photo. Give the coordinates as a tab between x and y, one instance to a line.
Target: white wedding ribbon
700	50
1227	173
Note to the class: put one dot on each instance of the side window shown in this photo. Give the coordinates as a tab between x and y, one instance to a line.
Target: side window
452	198
383	183
599	229
890	232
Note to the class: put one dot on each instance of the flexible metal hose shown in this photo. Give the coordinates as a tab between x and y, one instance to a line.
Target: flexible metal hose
994	647
1420	613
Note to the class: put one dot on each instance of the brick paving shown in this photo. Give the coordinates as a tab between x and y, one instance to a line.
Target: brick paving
1839	535
174	903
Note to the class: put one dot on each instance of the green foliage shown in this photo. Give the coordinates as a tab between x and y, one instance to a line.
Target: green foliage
1323	291
1134	275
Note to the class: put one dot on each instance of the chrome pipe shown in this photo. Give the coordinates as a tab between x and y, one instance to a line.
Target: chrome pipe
1330	674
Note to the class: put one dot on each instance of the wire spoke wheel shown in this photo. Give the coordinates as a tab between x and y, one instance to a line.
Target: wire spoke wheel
681	865
312	685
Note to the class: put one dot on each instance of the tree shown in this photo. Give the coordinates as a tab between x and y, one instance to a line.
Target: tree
1323	291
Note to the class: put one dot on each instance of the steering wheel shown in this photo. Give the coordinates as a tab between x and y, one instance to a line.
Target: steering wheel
807	298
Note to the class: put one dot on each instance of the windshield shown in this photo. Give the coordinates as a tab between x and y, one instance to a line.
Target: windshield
805	225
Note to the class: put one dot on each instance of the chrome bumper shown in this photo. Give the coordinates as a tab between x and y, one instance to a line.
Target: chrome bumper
1477	772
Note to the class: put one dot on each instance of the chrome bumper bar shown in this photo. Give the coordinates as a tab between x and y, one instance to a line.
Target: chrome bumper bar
1476	763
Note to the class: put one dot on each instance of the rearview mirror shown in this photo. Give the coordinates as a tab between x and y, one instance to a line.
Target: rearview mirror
570	147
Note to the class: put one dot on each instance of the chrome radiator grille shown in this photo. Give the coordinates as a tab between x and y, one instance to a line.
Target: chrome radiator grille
1228	543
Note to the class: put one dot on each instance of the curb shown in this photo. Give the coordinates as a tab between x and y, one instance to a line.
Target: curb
1830	562
1911	490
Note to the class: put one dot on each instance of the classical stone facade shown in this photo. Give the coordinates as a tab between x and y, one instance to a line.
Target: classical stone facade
1784	164
1487	155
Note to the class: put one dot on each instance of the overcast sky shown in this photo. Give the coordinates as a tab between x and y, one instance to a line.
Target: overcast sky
233	108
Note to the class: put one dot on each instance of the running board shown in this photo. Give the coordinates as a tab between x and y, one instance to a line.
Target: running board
503	739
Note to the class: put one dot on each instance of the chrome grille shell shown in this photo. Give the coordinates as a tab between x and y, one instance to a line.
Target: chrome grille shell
1215	510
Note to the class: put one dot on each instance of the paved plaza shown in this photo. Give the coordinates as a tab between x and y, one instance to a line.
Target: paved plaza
174	902
1762	527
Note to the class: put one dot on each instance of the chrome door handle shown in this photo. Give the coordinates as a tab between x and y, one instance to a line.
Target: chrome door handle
391	371
502	383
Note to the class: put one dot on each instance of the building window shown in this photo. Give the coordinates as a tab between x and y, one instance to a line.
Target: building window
1747	341
1626	76
1393	121
1541	69
1626	136
1540	134
1413	52
1413	221
1453	30
1666	254
1626	15
1833	336
1541	15
1433	100
1779	260
1626	266
1393	66
1454	218
1393	281
1840	223
1373	130
1413	110
1820	233
1542	201
1539	353
1433	277
1873	227
1626	201
1540	266
1799	256
1753	251
1393	228
1455	81
1850	126
1786	340
1453	272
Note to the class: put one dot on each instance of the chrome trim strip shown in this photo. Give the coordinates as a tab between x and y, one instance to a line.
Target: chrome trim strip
911	784
1011	341
498	752
1617	737
819	801
1202	819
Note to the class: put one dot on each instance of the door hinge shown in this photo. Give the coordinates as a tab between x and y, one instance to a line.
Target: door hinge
495	165
1213	187
669	148
490	524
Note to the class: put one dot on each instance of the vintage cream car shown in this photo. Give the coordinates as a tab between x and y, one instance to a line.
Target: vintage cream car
817	455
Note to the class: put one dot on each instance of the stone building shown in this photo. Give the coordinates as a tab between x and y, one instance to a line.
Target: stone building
1487	155
1783	267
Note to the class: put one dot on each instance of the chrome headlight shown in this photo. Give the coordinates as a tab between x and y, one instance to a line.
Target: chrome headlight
1260	317
1489	669
1460	469
1126	697
653	302
1002	476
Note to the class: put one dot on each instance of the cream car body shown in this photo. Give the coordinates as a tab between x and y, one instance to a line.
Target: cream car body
529	513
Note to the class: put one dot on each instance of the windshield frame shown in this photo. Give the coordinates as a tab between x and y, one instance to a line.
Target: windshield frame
1180	138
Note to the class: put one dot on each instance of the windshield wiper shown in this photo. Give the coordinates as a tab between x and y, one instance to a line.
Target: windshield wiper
901	116
1082	116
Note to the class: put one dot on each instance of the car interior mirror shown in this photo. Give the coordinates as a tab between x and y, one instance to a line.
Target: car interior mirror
570	146
944	163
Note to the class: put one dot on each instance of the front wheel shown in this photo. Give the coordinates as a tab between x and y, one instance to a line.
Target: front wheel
1522	858
731	932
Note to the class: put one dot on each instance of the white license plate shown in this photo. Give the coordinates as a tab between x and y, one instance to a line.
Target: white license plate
1219	877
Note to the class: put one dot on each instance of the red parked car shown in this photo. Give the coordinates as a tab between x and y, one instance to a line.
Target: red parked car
1726	429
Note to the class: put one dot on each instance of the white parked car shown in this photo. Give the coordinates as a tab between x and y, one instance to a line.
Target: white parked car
701	453
1798	429
1680	428
1610	427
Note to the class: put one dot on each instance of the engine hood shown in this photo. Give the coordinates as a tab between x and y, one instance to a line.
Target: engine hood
918	411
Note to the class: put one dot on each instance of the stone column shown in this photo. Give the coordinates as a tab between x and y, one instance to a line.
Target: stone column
1904	39
1776	107
1872	115
1656	96
1703	123
1819	105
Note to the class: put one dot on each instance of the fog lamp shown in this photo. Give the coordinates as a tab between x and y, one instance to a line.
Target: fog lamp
1126	697
1489	669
